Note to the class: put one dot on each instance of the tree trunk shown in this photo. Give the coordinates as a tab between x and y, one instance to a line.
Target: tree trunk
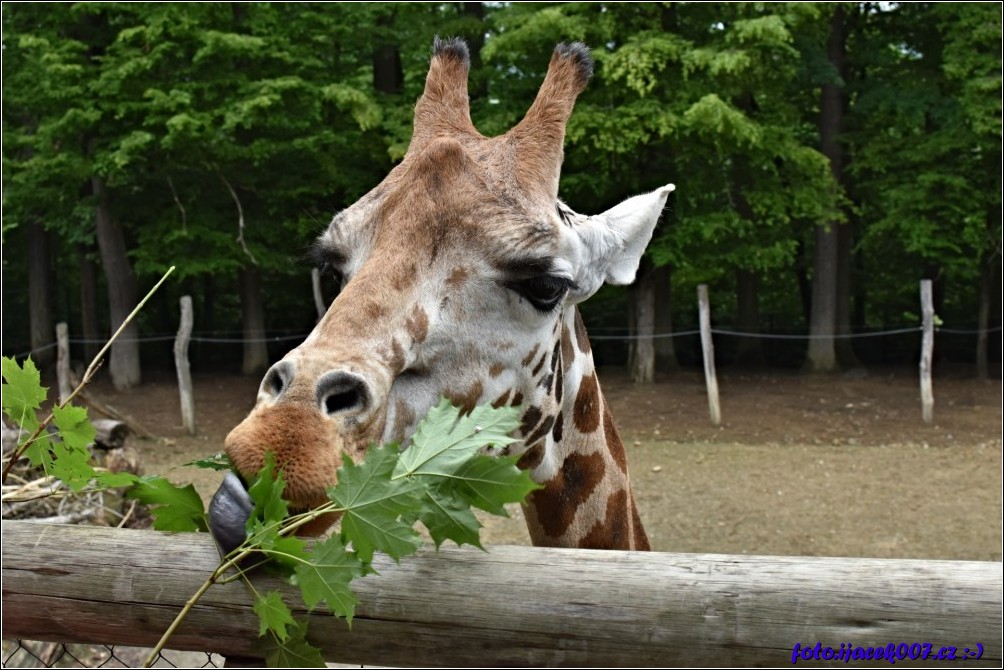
749	351
665	349
124	364
388	73
89	303
40	297
846	357
475	11
983	320
822	355
253	317
643	301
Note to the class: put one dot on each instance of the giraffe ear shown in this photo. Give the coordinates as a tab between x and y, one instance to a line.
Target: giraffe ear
632	223
614	241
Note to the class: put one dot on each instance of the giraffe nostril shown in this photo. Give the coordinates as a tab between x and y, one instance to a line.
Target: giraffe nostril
277	379
340	392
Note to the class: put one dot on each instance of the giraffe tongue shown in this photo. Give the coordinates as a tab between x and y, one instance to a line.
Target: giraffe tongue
228	513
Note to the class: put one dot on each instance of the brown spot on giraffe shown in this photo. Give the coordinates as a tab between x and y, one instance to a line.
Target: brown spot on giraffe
580	334
516	399
457	277
564	494
641	542
559	423
529	421
495	370
610	533
531	458
529	357
393	355
543	429
586	412
466	400
559	384
502	399
374	311
539	365
567	348
614	443
417	325
403	276
404	416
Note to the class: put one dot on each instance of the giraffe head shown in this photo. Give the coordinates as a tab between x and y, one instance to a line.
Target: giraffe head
456	271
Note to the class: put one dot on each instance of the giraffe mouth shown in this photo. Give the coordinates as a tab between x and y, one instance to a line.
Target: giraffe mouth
231	507
229	511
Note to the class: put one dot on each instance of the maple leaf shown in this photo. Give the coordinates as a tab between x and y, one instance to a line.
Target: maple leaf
215	462
445	440
489	483
266	493
294	651
448	518
74	427
327	575
22	392
374	503
273	614
177	508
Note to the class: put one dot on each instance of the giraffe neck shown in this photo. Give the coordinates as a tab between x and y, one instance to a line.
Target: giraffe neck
586	501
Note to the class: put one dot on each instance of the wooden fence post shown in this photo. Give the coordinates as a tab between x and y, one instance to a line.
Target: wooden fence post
926	351
181	363
708	347
63	361
315	283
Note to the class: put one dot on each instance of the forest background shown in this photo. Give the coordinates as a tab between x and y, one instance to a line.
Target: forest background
827	157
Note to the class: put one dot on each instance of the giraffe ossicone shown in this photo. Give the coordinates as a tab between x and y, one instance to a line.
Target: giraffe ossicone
461	272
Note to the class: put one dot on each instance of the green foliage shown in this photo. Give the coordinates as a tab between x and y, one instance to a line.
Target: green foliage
435	481
174	508
62	453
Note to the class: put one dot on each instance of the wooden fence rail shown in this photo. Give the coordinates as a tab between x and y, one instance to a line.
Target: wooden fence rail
509	606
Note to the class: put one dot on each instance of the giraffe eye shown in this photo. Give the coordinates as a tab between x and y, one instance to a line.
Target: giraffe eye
333	272
544	292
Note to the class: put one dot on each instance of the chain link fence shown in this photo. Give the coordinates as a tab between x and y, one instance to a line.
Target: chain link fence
31	654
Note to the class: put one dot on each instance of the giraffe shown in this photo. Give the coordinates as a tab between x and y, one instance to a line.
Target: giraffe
460	276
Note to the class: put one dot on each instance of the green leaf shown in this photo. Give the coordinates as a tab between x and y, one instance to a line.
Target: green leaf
373	504
71	465
448	518
266	493
489	483
115	479
215	462
326	577
294	651
39	452
444	439
74	427
288	552
177	508
273	615
22	392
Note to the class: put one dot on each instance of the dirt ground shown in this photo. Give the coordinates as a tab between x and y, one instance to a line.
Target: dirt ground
801	465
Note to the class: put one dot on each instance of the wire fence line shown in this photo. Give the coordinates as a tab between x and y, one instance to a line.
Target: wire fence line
32	654
624	337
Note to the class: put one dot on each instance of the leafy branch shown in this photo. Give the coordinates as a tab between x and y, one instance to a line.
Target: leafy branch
436	481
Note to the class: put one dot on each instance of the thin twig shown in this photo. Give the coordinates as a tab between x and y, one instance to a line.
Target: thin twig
174	194
91	369
240	218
